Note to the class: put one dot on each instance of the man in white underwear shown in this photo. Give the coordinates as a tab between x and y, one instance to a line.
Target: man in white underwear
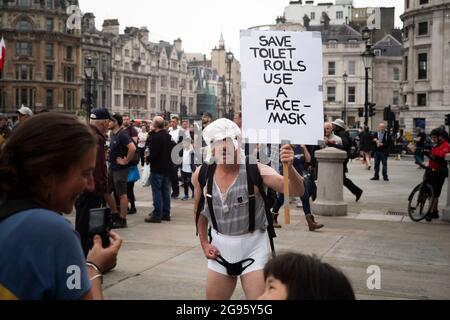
234	249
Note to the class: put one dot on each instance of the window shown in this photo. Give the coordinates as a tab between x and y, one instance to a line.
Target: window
163	81
50	24
153	103
423	2
153	85
421	99
396	74
339	15
127	66
25	96
331	68
313	15
191	105
49	98
174	103
117	100
24	25
24	72
423	66
405	32
127	53
396	99
24	49
351	68
49	4
69	99
191	85
69	75
69	53
173	83
49	72
24	3
407	4
163	102
405	67
118	83
331	94
49	49
423	28
351	94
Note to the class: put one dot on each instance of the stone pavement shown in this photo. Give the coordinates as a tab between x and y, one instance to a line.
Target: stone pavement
166	262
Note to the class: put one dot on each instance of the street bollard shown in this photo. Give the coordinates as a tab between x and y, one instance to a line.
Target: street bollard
330	188
446	211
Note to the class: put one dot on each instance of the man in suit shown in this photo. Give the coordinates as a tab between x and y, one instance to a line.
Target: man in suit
382	141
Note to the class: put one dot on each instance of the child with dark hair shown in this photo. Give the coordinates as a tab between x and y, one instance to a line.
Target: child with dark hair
294	276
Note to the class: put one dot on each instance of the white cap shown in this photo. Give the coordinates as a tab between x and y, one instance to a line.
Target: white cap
220	130
25	111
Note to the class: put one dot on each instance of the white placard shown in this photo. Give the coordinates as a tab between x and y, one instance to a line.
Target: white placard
282	95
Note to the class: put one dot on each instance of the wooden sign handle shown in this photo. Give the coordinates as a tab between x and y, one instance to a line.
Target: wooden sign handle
287	206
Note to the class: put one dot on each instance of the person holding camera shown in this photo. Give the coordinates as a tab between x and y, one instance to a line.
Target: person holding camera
41	177
437	170
99	123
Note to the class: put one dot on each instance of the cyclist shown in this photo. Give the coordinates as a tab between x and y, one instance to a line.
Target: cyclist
437	169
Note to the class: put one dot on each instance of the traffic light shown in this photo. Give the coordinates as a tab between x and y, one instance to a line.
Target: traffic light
361	112
447	120
372	110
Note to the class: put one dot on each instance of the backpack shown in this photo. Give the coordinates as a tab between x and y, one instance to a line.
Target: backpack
254	178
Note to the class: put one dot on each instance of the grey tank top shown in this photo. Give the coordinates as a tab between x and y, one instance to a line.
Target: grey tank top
232	209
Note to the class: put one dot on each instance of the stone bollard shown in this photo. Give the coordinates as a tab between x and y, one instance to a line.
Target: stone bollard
446	211
330	188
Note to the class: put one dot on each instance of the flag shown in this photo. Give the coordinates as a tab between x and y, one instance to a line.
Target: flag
2	53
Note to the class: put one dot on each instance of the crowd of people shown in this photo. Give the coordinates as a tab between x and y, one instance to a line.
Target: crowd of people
236	199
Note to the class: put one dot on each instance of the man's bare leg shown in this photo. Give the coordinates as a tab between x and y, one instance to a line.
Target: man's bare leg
253	284
219	287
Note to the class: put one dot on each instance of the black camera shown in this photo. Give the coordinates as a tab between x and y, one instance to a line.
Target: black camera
100	224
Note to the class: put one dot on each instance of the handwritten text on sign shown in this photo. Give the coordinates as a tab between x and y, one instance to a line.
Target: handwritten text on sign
282	72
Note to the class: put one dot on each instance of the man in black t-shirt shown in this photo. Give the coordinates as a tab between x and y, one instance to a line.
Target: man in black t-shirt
420	145
122	150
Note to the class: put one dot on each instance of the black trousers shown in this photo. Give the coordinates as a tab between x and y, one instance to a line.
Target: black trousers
353	188
85	202
130	195
175	181
142	155
187	183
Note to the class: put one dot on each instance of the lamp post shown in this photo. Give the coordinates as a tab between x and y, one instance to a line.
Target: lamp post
89	70
230	58
183	113
344	114
367	57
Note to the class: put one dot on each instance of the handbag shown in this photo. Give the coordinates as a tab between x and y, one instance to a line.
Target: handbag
133	175
145	179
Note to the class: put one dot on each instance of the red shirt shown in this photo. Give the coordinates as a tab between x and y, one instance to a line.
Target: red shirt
439	151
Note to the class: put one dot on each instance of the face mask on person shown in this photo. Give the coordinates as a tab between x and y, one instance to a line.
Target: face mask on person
235	269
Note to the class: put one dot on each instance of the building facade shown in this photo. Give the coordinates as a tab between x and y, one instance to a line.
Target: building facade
426	61
42	67
149	78
387	71
96	45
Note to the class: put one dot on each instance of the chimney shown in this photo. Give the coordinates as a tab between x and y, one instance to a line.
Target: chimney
178	45
144	35
111	26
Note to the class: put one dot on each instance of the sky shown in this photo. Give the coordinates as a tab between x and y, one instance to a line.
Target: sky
199	23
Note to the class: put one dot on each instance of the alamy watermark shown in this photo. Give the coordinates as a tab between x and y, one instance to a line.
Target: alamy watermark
374	280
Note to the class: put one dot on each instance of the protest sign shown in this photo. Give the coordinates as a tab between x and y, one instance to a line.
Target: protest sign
282	86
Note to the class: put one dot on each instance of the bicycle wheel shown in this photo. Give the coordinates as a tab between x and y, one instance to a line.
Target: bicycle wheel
420	202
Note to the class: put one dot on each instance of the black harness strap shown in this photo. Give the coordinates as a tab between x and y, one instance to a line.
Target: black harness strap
209	197
251	198
12	207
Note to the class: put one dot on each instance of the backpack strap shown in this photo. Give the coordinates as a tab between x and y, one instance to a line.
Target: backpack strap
251	196
253	170
209	195
205	171
9	208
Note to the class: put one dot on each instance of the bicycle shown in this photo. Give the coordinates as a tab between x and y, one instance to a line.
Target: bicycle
421	199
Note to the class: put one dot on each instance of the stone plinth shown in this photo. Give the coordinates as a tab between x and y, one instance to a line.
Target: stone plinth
446	211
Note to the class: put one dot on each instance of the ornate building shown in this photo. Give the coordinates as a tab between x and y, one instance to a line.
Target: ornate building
42	68
96	46
426	61
149	78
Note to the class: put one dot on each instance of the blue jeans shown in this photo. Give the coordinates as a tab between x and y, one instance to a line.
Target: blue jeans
381	157
161	186
305	199
419	157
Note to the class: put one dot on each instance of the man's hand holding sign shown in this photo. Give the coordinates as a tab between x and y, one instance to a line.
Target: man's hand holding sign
282	92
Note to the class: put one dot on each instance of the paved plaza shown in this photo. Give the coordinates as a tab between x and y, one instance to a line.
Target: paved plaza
165	261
